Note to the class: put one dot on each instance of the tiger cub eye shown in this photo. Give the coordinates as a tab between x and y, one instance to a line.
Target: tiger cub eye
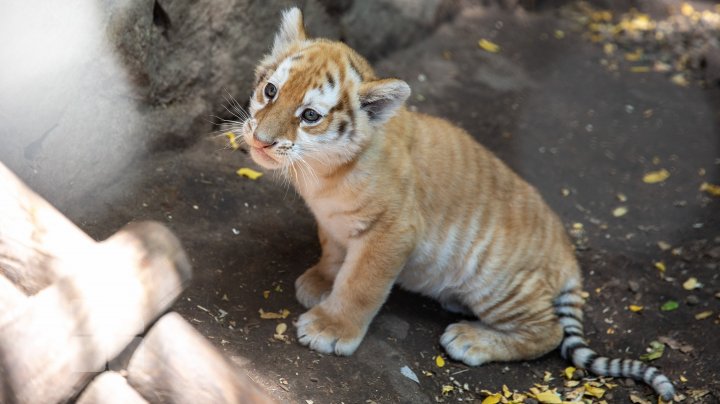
270	90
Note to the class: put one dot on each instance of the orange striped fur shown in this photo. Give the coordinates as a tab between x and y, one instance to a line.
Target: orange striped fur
402	197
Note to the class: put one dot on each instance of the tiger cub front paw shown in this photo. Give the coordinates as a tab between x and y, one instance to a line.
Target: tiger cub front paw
328	334
312	287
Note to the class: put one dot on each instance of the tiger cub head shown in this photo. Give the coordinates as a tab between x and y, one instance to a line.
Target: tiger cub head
316	102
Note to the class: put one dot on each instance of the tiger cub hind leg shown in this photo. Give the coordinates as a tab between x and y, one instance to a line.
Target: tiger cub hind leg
476	343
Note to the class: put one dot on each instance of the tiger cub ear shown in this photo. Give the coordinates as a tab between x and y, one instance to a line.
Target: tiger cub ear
381	98
291	30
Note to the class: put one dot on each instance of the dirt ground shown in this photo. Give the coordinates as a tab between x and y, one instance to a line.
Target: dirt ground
583	134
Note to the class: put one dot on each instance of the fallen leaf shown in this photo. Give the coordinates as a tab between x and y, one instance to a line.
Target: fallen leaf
639	69
280	332
439	361
266	294
249	173
547	377
703	315
269	315
620	211
568	372
594	391
488	46
655	351
634	56
635	308
637	400
233	140
548	397
686	9
492	399
680	80
660	266
506	391
664	245
670	305
691	283
711	189
407	372
559	34
446	389
656	176
683	379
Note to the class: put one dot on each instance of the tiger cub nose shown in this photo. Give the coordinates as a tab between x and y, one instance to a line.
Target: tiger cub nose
261	143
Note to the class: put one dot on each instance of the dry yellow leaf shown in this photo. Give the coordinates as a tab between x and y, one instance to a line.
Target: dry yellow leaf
683	379
280	328
686	9
660	266
703	315
596	392
635	308
506	391
269	315
656	176
547	377
620	211
559	34
609	48
711	189
249	173
568	372
548	397
233	140
640	69
680	80
266	294
446	389
488	46
691	283
634	56
439	361
492	399
664	245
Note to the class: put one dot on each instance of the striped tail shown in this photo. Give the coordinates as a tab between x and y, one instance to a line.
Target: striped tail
568	307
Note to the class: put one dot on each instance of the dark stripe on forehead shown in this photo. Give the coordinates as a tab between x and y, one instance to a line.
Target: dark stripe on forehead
354	68
341	128
330	79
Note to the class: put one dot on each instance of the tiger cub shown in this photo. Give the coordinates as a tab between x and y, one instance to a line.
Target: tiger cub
402	197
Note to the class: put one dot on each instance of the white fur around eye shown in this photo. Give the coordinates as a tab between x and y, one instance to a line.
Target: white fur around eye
322	99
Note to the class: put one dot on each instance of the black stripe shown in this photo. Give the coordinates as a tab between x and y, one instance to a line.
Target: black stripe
615	367
651	373
330	79
573	333
354	67
569	315
341	128
570	349
589	360
626	367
